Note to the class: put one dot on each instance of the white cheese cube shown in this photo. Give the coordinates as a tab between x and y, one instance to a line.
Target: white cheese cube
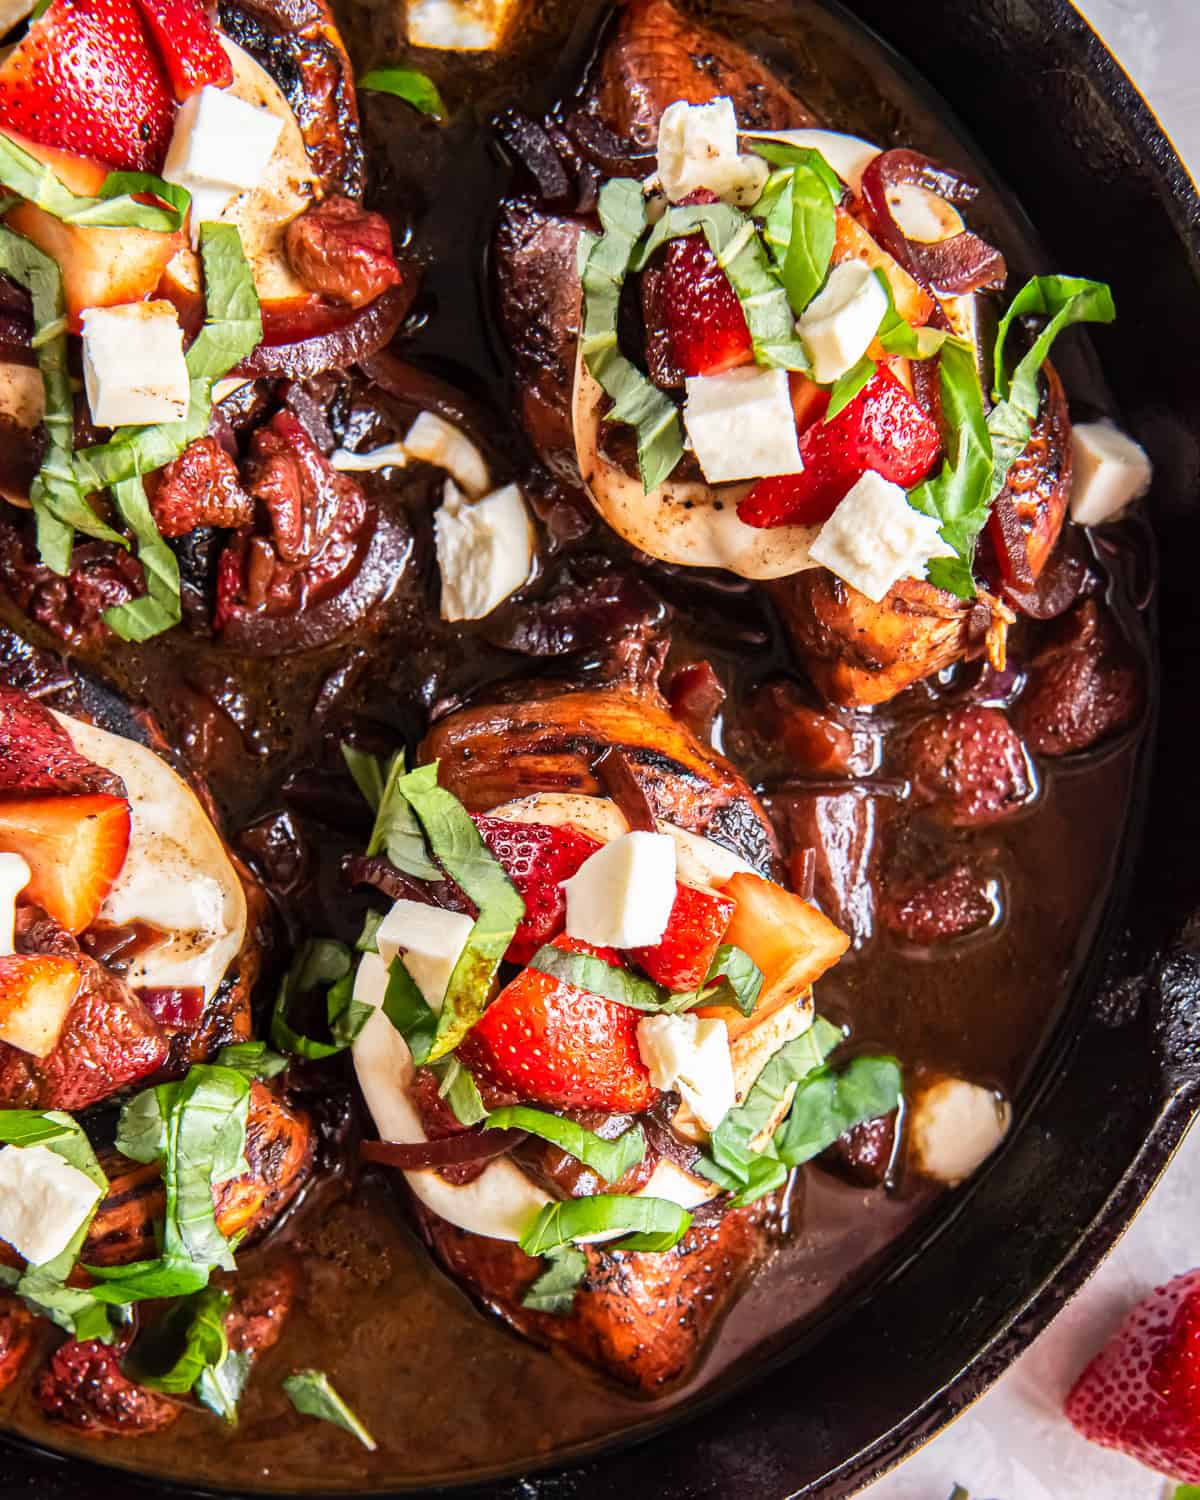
839	323
955	1127
431	941
741	424
43	1201
133	365
875	537
698	148
690	1053
621	897
440	443
221	141
848	155
484	550
459	25
15	875
1108	471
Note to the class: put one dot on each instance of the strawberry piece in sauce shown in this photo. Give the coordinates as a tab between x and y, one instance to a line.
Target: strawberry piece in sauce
683	955
85	79
883	428
537	859
704	322
188	44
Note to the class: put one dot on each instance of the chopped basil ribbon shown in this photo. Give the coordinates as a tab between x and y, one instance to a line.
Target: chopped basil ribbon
846	387
734	240
311	1393
899	337
1184	1492
232	330
397	833
733	979
60	506
554	1290
417	89
367	771
457	1088
321	963
254	1059
637	402
220	1387
653	1223
828	1104
611	1159
368	939
799	207
458	847
159	608
409	1012
114	208
172	1354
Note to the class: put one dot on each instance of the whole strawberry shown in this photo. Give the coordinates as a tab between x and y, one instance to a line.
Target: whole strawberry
1141	1394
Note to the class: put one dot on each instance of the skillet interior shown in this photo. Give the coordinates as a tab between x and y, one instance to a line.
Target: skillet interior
1116	1098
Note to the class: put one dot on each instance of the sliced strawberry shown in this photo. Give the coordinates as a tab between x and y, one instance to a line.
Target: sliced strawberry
683	955
537	859
84	78
883	428
188	44
553	1043
703	317
36	753
36	992
1141	1394
75	847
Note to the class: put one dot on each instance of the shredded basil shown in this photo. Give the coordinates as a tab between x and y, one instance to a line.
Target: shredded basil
733	979
368	774
397	832
846	387
321	963
368	938
115	207
899	337
588	971
417	89
254	1059
828	1104
172	1354
611	1159
159	608
800	212
652	1223
457	1088
409	1012
554	1290
637	402
220	1387
311	1392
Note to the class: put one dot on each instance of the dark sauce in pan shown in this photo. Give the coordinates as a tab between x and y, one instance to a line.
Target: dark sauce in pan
448	1392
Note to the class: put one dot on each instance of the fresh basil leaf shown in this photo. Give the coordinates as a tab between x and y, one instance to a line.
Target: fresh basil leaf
220	1387
899	337
409	1012
784	155
458	847
368	940
311	1392
800	218
554	1290
346	1015
367	771
733	979
1184	1492
586	971
846	387
254	1059
142	1124
397	833
188	1339
115	208
232	331
160	607
611	1159
648	1219
321	963
457	1088
414	88
637	402
205	1144
959	496
827	1104
147	1280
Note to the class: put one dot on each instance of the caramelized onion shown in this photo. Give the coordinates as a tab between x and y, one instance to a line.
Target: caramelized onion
615	775
471	1145
326	338
964	262
173	1007
530	144
614	154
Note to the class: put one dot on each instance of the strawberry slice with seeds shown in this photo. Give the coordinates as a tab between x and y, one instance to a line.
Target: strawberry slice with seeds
36	753
36	992
550	1042
85	79
683	955
188	44
1141	1394
884	428
537	858
705	325
74	847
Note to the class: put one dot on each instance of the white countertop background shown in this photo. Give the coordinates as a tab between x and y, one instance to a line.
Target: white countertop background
1015	1444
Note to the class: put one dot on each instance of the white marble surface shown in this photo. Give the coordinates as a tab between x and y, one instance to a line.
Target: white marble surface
1015	1444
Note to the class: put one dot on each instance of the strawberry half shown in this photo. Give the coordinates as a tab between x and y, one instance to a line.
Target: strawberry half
188	44
75	847
883	428
705	325
84	78
552	1043
683	955
1141	1394
537	859
36	753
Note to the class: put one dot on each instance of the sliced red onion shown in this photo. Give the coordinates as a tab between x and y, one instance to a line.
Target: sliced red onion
616	776
615	155
530	144
471	1145
964	262
329	338
174	1007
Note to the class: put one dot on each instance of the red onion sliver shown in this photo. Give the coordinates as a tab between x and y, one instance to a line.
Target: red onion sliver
174	1007
471	1145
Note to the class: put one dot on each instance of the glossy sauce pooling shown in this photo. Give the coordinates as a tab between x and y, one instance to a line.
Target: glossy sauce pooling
446	1390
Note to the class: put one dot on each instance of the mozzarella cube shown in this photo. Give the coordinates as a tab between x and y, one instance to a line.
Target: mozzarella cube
741	424
848	155
698	148
955	1127
438	442
220	141
133	365
43	1201
690	1053
1108	471
875	537
431	941
621	896
484	550
459	25
839	323
15	875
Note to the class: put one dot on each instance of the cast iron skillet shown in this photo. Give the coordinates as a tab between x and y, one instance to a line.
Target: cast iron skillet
1115	1095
